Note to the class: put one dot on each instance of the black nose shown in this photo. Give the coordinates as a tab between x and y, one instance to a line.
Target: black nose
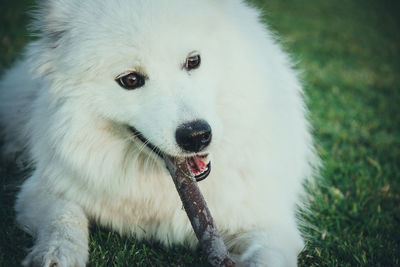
193	136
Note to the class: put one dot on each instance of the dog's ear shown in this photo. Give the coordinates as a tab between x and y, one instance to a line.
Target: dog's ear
52	19
52	25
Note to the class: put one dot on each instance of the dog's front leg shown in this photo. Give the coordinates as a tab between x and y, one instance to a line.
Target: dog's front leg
59	227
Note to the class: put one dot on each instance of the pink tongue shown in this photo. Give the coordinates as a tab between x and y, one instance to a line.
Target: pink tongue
196	164
200	163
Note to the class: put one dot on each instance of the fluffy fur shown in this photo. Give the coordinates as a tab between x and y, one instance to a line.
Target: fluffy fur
62	105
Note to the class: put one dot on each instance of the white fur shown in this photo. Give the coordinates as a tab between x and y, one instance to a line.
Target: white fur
63	105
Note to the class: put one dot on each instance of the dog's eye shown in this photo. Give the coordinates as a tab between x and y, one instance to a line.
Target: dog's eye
131	80
192	62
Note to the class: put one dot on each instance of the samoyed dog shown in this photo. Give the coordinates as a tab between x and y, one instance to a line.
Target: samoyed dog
109	85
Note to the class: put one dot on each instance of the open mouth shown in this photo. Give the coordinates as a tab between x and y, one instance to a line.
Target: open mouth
199	165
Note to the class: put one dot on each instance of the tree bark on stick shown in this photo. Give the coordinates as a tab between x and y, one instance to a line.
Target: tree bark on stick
199	215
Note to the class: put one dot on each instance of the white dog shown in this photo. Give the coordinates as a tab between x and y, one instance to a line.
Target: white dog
109	85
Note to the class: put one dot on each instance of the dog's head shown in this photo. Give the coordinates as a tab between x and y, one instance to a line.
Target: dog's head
147	66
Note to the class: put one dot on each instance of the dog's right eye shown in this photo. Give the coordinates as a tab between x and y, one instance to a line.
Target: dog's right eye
131	80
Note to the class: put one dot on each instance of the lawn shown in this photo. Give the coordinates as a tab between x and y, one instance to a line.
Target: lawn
348	52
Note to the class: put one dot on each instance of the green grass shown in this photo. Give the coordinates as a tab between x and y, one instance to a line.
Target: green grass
350	57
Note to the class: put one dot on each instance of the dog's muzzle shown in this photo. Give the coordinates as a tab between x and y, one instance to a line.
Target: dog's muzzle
191	137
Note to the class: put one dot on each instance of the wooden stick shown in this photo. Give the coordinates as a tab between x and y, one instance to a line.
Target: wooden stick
199	215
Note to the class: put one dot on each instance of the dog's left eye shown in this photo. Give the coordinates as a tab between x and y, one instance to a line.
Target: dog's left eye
131	81
192	62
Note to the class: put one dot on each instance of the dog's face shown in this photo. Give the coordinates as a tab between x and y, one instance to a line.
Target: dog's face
153	71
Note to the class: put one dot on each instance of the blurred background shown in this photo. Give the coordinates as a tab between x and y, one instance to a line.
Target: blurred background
348	53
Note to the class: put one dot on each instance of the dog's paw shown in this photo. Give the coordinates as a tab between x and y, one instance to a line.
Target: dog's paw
265	257
63	254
